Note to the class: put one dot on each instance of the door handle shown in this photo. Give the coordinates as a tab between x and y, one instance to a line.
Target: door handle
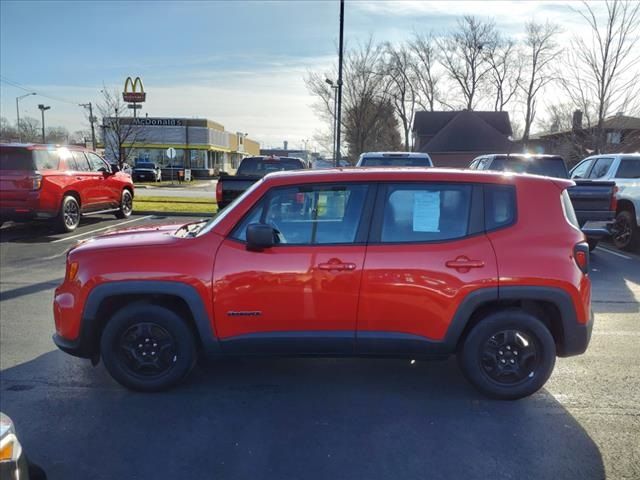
464	263
337	266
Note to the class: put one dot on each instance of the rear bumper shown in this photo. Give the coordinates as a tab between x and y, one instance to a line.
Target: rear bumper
585	216
576	337
24	214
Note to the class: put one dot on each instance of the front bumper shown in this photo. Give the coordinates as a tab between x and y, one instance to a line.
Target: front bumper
15	469
576	337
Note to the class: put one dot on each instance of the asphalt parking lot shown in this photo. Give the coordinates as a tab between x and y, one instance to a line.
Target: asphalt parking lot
313	418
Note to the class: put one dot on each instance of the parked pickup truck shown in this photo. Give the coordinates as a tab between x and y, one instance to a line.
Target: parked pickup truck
410	263
593	201
251	170
624	170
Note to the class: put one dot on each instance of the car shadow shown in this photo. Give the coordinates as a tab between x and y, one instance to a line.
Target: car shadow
38	232
29	289
290	419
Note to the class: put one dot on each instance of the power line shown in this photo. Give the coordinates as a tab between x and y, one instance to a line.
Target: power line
26	89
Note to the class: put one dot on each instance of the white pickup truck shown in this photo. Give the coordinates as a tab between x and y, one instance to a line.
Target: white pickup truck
624	169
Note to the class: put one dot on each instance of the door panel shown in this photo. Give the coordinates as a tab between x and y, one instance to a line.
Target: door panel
100	184
286	289
427	251
409	288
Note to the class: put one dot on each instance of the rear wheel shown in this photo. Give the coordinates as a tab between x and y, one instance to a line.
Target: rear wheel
69	217
626	237
126	205
147	347
508	355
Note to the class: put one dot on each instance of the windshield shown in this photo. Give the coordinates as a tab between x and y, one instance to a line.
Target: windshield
261	166
549	167
395	162
147	166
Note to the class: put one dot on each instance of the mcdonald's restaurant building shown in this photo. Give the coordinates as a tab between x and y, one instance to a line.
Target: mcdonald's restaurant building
202	145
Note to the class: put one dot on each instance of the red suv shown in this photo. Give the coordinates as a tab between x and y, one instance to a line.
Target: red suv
61	184
413	263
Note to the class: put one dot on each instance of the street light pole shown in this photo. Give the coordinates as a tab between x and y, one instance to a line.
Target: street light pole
335	114
91	121
18	113
43	108
339	116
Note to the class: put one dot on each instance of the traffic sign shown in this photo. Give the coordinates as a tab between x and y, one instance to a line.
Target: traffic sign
171	153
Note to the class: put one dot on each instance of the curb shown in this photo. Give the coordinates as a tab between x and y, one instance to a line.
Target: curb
173	214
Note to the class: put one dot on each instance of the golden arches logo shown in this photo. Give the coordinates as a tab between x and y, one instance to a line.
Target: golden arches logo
134	91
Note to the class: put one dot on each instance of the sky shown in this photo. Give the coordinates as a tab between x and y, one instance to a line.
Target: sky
240	63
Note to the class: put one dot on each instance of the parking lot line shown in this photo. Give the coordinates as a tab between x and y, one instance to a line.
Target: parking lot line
101	229
617	254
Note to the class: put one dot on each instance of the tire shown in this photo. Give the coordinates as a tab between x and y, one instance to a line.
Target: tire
69	217
126	205
487	353
593	243
142	333
627	236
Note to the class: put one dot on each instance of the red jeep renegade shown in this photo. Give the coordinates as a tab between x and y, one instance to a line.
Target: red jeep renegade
61	184
411	263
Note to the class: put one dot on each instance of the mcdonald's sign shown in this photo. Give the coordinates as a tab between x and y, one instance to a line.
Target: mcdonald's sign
133	91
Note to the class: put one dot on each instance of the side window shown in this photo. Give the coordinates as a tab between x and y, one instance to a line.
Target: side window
310	215
629	168
474	164
601	167
80	163
581	170
46	160
96	162
499	206
425	212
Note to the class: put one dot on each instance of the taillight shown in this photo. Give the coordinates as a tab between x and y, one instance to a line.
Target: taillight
219	192
581	256
613	206
37	182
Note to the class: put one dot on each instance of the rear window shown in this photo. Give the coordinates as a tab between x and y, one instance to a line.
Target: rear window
391	161
261	166
549	167
499	206
629	168
569	212
15	158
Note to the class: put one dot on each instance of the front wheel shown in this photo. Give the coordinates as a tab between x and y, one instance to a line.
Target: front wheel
508	355
126	205
147	347
627	234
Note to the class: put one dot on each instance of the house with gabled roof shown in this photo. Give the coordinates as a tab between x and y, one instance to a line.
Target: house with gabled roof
455	138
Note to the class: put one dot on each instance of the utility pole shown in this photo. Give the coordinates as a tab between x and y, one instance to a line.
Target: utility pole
91	121
339	116
334	87
18	113
43	108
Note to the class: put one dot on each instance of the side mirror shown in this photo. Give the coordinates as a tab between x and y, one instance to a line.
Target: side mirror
115	168
260	236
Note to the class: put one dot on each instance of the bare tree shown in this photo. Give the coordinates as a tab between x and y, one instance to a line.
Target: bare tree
8	133
505	71
118	131
402	91
559	118
602	71
423	70
541	51
463	56
365	95
30	130
58	135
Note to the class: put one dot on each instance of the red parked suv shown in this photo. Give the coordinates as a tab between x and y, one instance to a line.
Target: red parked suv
412	263
61	184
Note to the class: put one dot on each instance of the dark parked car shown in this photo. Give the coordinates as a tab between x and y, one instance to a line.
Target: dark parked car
60	184
146	172
251	170
394	159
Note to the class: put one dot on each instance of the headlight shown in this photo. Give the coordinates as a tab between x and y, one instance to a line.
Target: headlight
10	448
